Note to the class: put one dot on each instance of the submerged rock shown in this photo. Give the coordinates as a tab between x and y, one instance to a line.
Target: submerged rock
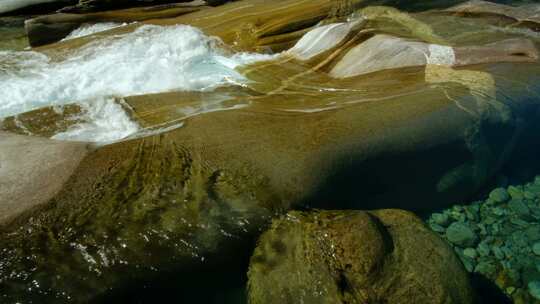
461	235
385	256
534	289
499	195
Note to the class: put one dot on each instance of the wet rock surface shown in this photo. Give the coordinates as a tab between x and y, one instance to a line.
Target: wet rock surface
208	169
507	226
385	256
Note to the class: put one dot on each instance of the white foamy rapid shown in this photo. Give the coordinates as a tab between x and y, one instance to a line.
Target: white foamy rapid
150	59
102	120
89	29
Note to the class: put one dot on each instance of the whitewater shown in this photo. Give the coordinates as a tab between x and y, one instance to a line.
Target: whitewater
151	59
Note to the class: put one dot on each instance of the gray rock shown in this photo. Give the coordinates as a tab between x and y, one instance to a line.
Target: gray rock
471	214
534	289
499	195
461	235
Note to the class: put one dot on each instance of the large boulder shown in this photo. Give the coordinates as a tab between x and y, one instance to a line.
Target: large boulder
385	256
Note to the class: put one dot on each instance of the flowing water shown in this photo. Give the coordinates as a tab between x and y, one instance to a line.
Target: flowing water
151	59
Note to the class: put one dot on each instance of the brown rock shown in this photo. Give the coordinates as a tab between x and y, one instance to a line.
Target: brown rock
385	256
52	28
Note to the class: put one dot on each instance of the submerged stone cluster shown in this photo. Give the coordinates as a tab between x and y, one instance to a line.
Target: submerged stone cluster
499	238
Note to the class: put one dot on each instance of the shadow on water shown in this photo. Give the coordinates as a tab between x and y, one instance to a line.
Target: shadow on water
487	292
412	180
218	280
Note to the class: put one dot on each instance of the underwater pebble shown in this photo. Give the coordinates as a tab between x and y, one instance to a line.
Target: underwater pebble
483	249
535	188
529	195
441	219
534	289
498	211
536	248
468	263
519	207
499	195
485	268
461	235
437	228
470	252
498	252
515	192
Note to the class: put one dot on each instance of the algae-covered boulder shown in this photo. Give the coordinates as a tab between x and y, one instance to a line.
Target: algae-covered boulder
385	256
